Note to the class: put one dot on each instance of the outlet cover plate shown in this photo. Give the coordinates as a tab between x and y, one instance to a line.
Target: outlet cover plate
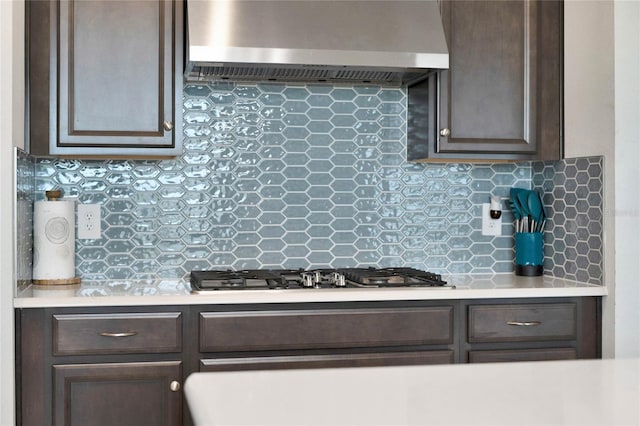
490	226
89	221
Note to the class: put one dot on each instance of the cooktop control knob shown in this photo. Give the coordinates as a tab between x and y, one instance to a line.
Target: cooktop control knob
337	279
308	280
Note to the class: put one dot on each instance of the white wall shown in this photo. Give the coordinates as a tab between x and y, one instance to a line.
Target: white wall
589	118
627	175
11	134
602	117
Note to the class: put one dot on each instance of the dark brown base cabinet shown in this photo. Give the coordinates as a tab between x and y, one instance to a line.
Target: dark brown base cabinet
126	365
100	366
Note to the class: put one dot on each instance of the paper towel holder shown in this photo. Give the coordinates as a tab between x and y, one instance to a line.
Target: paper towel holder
55	195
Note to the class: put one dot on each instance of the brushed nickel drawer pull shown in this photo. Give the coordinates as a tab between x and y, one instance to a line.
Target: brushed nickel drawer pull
124	334
174	386
524	323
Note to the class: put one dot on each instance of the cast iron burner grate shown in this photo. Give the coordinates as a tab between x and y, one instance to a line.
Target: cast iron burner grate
264	279
392	277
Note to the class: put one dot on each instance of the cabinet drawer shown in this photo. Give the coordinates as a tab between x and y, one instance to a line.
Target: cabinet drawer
79	334
525	322
327	361
510	355
305	329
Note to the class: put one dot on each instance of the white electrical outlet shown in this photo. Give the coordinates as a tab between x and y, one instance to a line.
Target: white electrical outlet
89	221
490	226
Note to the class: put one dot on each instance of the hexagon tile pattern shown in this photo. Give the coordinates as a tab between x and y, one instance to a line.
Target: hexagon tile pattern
573	197
276	175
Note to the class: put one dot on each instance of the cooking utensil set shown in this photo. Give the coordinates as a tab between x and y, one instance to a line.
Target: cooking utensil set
528	210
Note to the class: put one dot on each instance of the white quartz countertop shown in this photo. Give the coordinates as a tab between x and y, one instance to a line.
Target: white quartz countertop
584	392
177	292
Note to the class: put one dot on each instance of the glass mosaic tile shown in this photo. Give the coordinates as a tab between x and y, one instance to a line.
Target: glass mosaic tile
311	176
24	198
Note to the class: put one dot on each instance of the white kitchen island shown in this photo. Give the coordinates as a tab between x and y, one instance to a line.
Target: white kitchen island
584	392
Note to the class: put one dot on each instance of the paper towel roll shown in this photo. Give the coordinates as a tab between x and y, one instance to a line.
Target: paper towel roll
54	240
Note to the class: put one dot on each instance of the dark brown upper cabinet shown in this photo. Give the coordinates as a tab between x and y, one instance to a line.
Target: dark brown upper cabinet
501	98
105	77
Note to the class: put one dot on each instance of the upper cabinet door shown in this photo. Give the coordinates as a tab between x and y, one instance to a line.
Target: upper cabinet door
501	97
116	77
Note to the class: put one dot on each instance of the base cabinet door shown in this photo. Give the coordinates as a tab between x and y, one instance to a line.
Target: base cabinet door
122	394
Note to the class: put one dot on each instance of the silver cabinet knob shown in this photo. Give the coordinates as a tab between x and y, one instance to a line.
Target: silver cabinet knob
174	386
168	126
445	132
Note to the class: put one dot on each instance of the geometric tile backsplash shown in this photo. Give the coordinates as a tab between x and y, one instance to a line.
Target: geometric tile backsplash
573	194
24	192
306	176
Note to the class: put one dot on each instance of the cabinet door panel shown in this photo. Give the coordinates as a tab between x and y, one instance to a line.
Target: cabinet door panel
327	361
129	394
308	329
112	84
488	95
489	52
97	67
514	355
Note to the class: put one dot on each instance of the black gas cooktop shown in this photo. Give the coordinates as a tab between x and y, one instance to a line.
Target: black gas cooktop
263	279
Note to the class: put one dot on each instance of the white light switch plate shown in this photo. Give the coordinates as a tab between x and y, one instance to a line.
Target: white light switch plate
490	226
89	221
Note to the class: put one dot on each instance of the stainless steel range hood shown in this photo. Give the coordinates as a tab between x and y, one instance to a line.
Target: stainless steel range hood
390	42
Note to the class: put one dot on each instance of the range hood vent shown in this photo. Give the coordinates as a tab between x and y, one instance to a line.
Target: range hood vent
304	74
381	42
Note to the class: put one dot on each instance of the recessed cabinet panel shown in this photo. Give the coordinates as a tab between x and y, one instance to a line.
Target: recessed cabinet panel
488	81
346	328
515	355
94	68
